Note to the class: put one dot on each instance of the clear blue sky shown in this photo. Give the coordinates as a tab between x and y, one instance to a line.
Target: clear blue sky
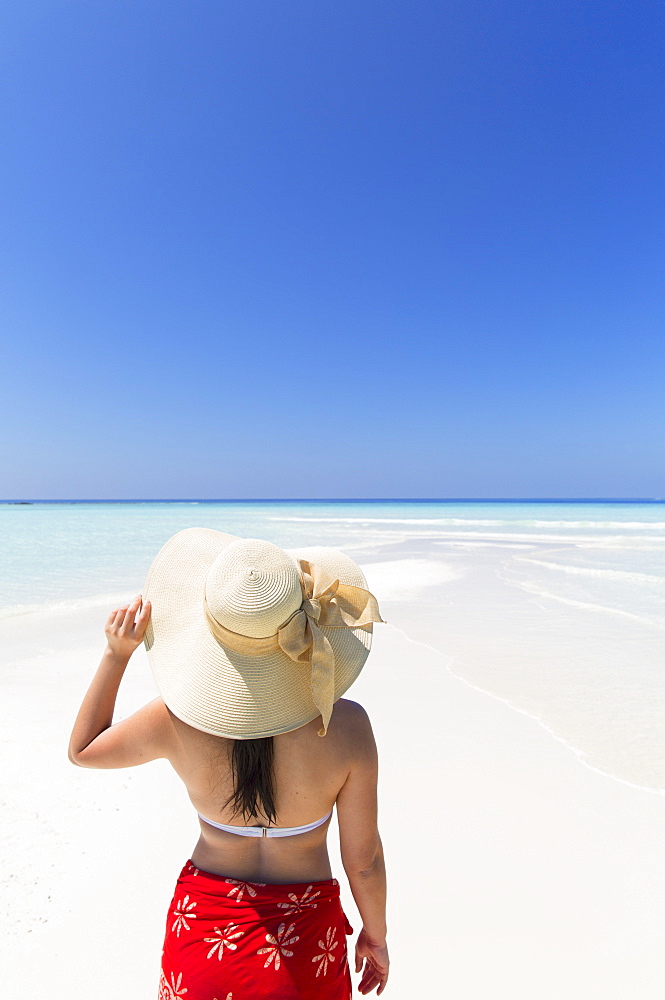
392	248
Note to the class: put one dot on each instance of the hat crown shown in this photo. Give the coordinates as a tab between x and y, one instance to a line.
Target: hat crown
252	587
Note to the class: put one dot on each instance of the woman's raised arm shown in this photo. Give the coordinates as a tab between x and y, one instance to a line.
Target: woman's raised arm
95	741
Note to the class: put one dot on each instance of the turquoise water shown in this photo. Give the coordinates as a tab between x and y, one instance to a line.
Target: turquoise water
74	553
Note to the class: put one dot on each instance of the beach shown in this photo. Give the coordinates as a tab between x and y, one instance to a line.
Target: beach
521	786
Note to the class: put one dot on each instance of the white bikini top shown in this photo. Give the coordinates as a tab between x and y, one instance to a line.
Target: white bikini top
266	831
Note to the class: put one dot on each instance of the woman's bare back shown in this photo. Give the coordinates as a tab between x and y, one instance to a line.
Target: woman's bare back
310	772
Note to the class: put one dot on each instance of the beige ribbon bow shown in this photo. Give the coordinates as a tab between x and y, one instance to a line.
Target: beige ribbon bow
326	602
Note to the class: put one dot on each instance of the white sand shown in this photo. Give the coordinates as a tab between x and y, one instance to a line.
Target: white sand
514	870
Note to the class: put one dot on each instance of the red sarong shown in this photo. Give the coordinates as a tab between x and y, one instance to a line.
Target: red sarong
231	940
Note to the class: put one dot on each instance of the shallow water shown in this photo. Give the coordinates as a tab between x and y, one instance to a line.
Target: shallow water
53	552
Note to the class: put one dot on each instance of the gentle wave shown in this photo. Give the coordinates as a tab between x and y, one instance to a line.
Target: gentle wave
390	520
604	525
625	542
598	573
586	605
66	604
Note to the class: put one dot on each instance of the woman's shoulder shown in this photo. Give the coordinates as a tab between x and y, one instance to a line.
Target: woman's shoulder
351	722
351	713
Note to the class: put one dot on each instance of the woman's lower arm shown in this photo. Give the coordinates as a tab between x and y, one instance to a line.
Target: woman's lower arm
368	886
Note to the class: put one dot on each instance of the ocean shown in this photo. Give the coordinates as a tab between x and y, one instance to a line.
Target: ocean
556	607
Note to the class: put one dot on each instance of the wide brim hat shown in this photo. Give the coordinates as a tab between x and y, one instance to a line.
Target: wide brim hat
249	640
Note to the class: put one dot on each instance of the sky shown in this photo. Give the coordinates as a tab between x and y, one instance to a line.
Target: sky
369	248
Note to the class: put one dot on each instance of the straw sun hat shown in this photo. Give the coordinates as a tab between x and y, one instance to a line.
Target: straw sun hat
246	639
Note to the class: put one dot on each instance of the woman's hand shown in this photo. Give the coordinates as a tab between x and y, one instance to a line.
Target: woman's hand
376	959
123	634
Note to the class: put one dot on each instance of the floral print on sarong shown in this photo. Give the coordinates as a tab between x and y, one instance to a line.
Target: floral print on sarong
228	939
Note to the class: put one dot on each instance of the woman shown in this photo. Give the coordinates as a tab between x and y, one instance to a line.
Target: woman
252	647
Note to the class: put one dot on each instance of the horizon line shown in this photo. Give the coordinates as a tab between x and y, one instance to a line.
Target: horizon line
34	500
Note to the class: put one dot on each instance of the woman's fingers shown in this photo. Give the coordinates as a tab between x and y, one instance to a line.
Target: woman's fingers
128	623
369	979
372	977
125	618
126	626
373	983
142	620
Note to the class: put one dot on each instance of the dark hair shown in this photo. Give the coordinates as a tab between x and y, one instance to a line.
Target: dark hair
253	778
